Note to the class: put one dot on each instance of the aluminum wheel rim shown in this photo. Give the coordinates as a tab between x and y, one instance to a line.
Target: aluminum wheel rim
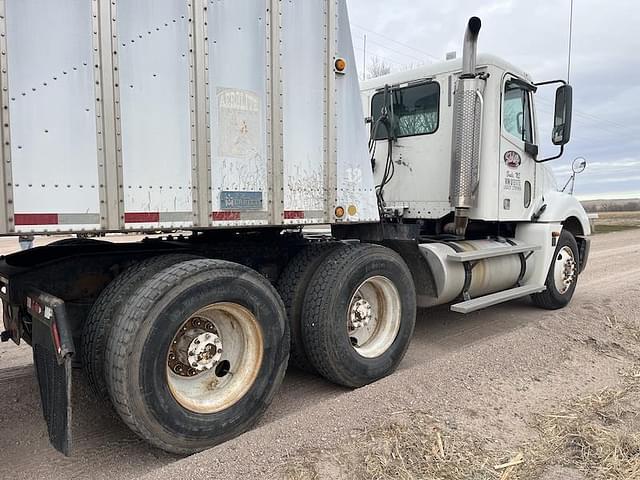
373	317
564	270
210	374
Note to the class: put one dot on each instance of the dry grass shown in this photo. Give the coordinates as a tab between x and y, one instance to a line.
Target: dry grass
597	435
410	449
616	221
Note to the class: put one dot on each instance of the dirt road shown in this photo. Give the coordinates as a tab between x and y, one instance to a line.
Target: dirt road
485	373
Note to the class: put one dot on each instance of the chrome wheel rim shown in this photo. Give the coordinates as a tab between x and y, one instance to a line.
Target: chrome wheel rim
564	270
214	358
373	317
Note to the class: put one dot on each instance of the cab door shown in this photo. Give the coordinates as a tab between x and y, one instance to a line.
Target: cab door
516	183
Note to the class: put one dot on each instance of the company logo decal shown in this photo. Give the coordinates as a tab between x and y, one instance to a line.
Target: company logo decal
512	159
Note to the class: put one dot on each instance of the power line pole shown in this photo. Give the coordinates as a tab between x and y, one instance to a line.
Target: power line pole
364	60
570	42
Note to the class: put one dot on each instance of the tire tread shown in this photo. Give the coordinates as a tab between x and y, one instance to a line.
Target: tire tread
292	286
100	318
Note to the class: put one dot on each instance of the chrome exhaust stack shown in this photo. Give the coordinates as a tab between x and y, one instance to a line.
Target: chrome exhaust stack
467	130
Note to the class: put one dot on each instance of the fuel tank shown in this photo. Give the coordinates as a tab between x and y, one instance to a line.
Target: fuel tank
487	276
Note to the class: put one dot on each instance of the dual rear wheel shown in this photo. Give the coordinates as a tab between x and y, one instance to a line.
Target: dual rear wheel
192	351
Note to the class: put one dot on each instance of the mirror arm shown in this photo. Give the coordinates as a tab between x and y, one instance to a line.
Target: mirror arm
544	160
550	82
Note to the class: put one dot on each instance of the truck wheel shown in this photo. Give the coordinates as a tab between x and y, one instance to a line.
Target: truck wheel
98	323
197	354
292	285
563	275
359	314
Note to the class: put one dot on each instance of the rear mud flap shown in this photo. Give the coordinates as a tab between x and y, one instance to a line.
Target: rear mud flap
54	381
53	352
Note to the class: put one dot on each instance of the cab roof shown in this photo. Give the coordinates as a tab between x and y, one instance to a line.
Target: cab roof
440	68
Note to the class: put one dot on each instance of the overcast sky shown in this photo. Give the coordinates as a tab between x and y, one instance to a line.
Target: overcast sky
534	36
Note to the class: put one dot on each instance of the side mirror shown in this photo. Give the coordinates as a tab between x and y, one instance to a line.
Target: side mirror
562	118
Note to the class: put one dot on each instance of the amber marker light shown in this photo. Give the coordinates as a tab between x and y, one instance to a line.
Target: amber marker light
341	65
339	212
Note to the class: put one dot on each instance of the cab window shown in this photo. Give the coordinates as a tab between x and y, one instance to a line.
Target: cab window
517	112
415	108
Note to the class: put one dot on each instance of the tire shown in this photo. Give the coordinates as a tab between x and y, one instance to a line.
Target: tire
292	286
153	400
379	276
555	297
98	323
73	242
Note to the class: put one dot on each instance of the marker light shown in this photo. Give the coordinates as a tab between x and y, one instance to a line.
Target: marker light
341	65
340	212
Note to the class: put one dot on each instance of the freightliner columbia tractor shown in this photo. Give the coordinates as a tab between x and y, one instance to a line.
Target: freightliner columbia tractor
221	131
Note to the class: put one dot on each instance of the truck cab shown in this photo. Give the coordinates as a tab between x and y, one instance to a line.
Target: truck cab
421	144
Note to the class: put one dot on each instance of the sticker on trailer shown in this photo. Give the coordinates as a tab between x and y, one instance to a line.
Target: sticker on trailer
240	124
231	201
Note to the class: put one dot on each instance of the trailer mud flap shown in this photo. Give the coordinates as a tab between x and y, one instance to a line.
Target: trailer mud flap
53	352
54	381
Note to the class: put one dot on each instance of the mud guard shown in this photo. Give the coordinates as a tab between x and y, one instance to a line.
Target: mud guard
53	350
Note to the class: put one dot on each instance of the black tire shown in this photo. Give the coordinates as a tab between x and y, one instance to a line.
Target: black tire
551	298
72	242
98	323
325	313
136	356
292	286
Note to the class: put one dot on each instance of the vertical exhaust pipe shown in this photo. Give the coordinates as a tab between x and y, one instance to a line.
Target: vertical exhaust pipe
470	47
467	126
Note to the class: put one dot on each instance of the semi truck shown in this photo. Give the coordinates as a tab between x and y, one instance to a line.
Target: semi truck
221	130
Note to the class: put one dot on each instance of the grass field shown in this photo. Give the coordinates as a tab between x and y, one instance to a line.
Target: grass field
615	221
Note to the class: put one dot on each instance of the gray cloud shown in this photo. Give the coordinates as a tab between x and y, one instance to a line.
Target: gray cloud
534	35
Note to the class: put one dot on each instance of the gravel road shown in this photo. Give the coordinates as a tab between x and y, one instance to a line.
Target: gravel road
486	371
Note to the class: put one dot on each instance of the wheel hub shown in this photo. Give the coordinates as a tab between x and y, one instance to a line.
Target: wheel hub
204	351
203	376
361	314
565	270
196	348
373	317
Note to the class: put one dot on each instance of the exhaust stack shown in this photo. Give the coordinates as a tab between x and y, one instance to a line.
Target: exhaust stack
467	126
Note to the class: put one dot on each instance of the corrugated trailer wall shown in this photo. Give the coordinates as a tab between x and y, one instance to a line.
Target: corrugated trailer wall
166	114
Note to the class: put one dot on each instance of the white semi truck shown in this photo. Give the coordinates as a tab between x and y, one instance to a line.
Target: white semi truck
226	127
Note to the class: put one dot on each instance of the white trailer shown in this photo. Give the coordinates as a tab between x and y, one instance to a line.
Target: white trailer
227	127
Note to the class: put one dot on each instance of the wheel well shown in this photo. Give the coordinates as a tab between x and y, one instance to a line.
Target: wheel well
573	225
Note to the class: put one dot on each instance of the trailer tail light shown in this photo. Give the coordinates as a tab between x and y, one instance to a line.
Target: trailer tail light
39	309
44	308
339	212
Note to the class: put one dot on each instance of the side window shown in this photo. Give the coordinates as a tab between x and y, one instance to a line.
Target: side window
516	112
416	110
